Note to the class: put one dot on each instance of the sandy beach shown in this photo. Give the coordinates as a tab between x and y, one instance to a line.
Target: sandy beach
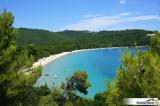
46	60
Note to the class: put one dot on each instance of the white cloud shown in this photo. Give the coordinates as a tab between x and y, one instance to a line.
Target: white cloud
91	15
122	2
143	18
101	22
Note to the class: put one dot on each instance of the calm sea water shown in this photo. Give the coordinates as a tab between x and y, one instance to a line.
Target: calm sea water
100	64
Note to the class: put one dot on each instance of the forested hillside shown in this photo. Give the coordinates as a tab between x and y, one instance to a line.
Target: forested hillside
44	43
83	38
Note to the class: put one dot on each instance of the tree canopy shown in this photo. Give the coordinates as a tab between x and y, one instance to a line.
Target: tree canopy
137	77
13	80
42	43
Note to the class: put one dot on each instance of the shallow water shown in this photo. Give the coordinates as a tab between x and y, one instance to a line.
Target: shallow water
100	64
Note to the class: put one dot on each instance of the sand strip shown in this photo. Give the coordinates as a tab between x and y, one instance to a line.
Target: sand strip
46	60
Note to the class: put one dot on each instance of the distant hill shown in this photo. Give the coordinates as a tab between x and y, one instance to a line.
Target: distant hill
42	43
83	38
38	36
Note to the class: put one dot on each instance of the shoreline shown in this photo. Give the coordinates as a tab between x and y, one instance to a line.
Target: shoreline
46	60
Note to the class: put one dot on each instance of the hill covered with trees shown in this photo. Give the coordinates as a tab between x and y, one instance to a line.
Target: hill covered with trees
44	43
84	39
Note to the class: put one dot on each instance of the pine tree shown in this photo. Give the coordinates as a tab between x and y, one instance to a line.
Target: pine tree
16	74
138	76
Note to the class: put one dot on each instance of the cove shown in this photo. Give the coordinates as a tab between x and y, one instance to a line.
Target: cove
100	64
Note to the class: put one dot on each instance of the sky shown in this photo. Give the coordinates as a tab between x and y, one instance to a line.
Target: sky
93	15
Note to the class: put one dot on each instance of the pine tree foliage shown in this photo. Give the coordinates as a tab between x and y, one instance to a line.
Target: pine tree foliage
138	76
155	43
13	80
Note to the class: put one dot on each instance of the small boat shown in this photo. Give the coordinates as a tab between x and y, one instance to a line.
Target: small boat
67	69
55	77
46	75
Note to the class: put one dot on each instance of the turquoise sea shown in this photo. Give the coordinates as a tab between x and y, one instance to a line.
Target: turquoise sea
100	64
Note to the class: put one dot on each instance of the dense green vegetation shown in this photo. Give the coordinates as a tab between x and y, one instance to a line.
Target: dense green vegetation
138	76
15	85
17	76
43	43
84	39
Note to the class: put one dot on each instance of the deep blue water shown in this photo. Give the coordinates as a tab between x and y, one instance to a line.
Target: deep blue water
100	64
